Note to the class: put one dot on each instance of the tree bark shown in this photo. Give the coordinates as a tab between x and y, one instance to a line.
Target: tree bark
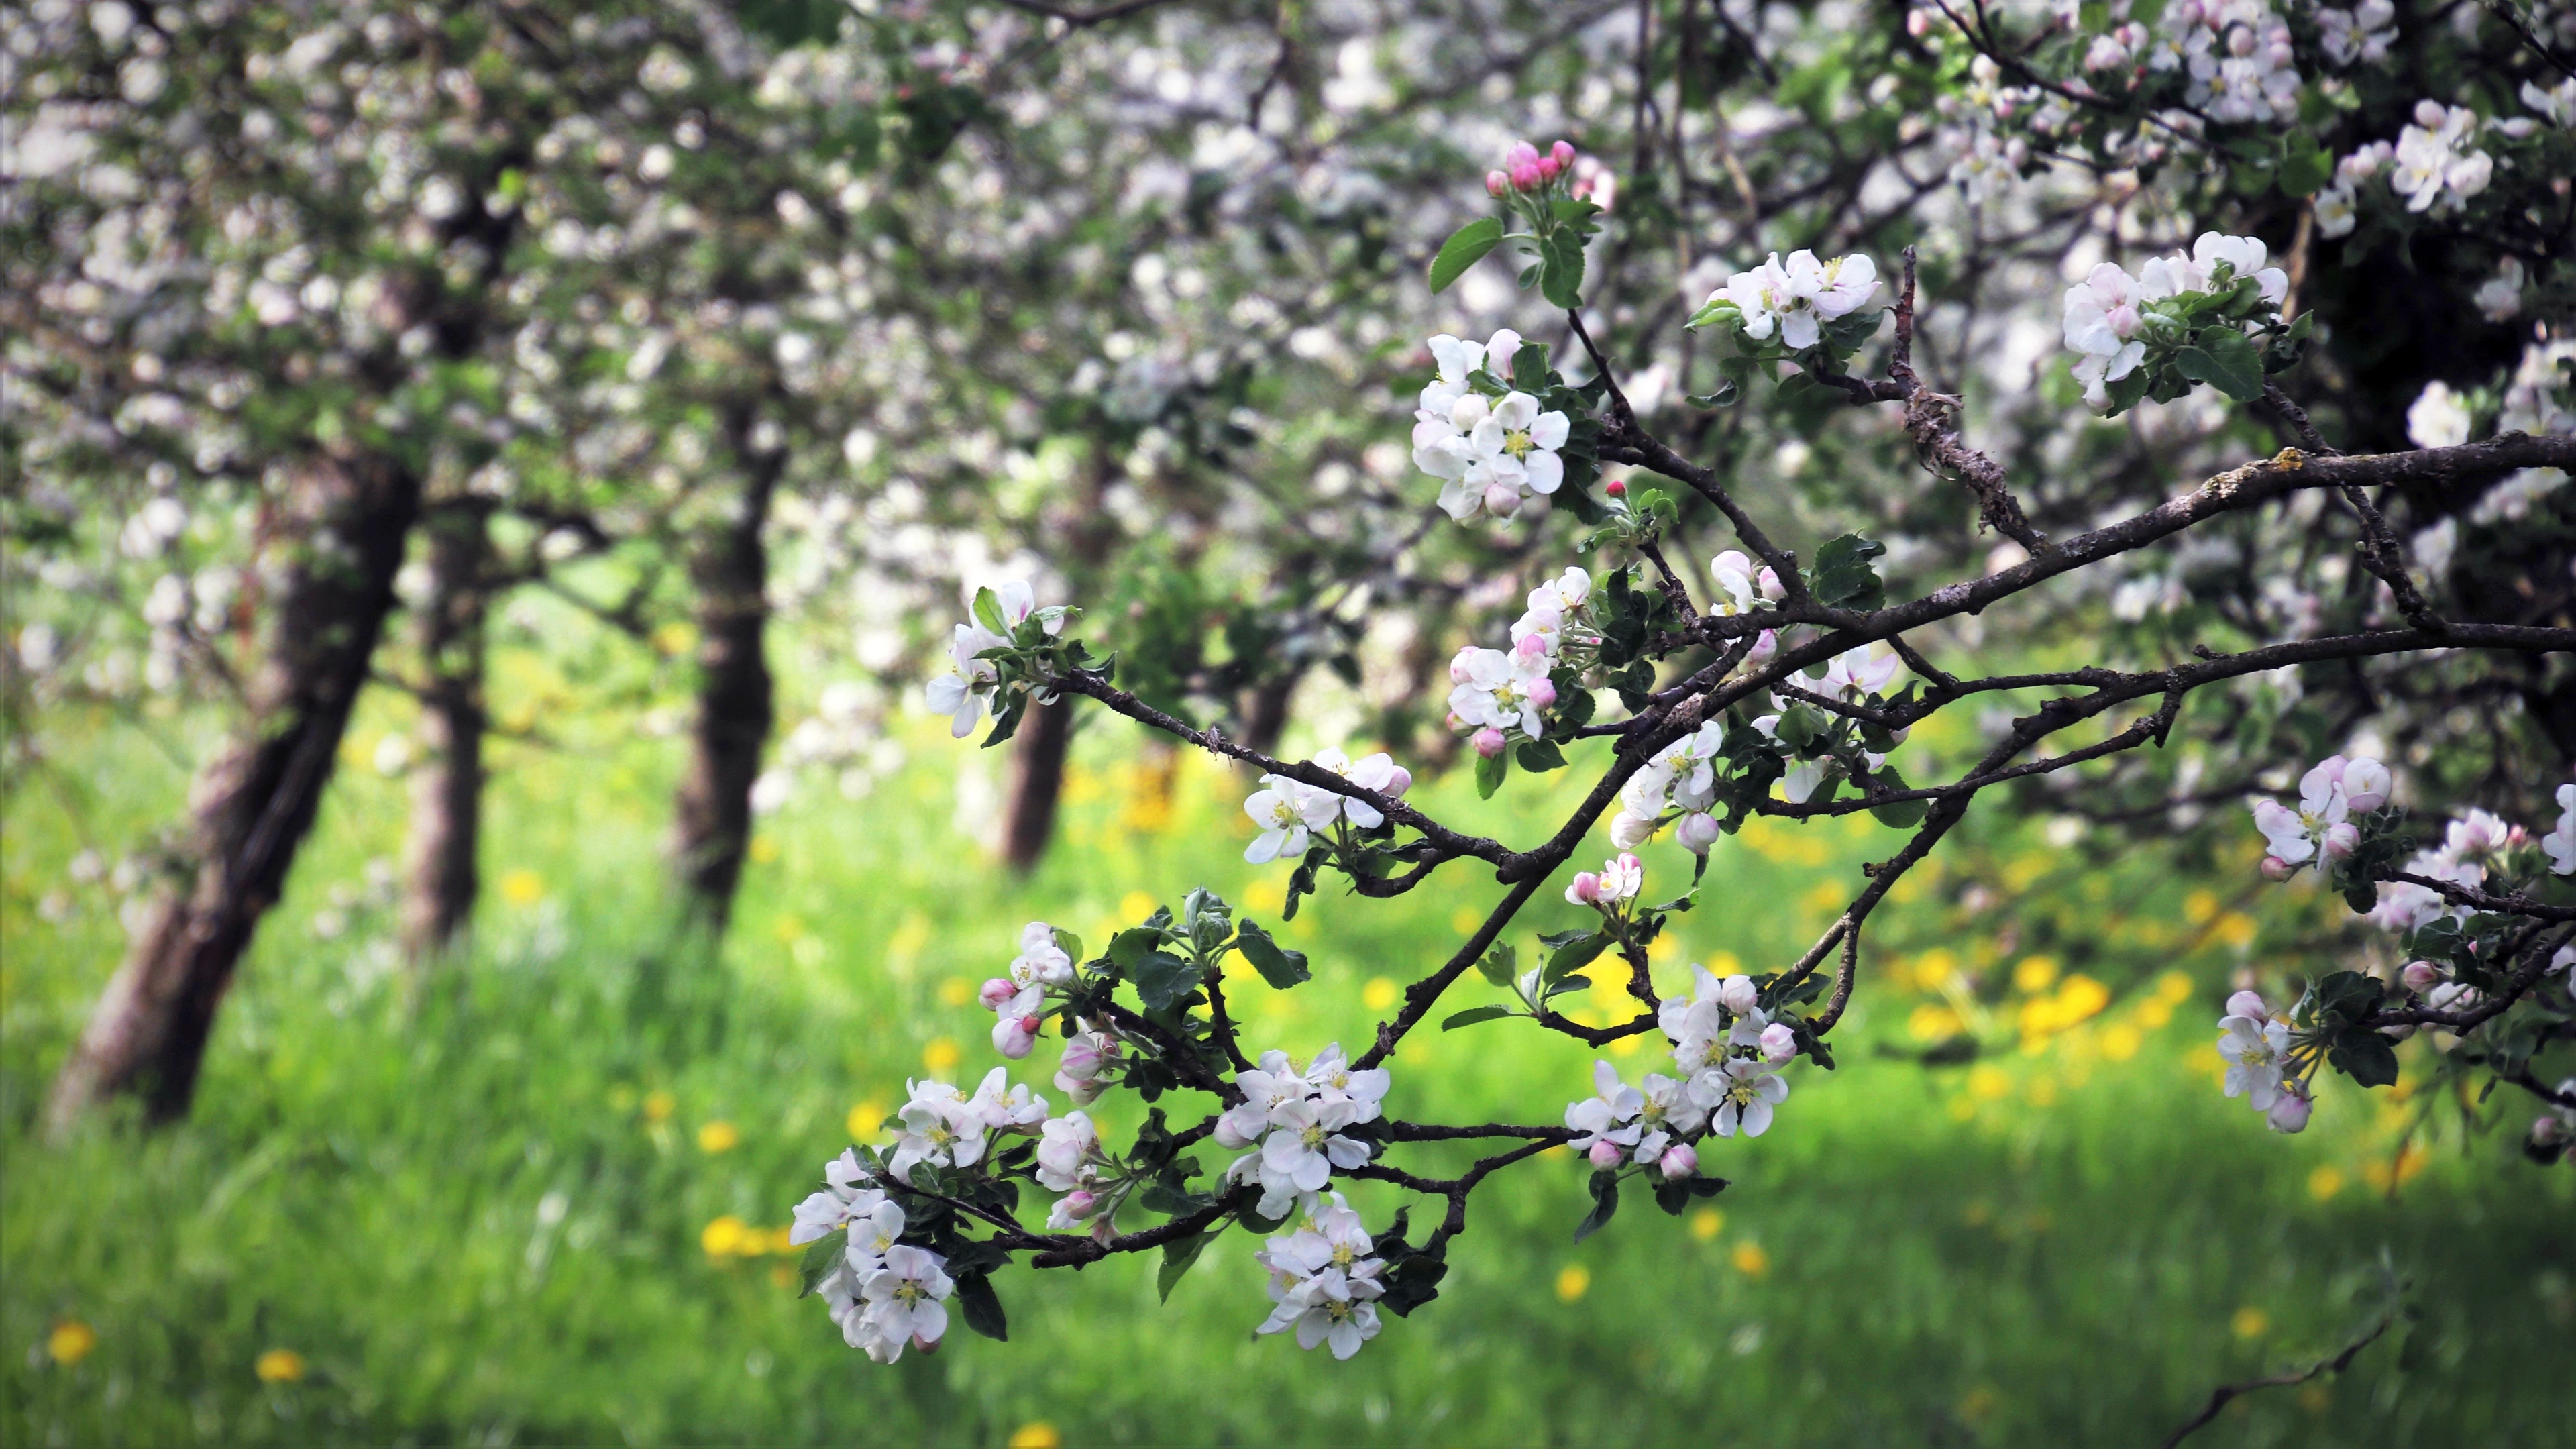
711	829
253	804
1038	754
447	785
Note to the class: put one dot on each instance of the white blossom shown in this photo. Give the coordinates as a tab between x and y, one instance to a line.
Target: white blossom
1283	811
2100	320
1609	1116
904	1300
1747	1091
2560	844
841	1200
1795	298
2438	418
2438	166
1322	1283
2256	1048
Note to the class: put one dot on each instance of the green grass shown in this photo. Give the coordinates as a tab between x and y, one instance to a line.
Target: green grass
452	1200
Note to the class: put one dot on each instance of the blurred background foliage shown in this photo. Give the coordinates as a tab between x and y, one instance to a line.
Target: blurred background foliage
687	362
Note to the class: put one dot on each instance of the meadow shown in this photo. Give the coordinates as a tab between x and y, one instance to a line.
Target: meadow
538	1195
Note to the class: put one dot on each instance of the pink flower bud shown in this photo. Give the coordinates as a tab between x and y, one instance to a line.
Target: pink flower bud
924	1345
996	992
1526	175
2289	1110
2342	840
2428	114
2421	976
1080	1204
1769	582
2545	1131
2249	1005
1542	692
1918	23
1488	741
1013	1036
1779	1043
1502	499
1548	167
1738	994
1497	184
1562	153
1520	153
1604	1153
1616	488
2241	41
1679	1160
2274	868
1697	832
1398	780
1452	722
1764	646
1585	890
1532	646
2124	319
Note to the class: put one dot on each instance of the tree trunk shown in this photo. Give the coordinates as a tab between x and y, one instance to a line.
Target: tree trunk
254	803
1038	754
447	786
711	830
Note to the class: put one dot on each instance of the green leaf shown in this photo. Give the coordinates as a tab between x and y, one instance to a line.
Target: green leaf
2223	358
1127	948
1725	397
1162	979
1842	577
2366	1057
1560	277
980	1307
1529	367
1278	965
1489	773
1904	814
1178	1255
1474	1015
1500	964
1574	955
2305	173
1605	1202
1466	247
1069	943
1539	756
821	1257
988	611
1717	311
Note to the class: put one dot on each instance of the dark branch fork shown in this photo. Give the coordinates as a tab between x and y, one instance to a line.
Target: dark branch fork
1670	714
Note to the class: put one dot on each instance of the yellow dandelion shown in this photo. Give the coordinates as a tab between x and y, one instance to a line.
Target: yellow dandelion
2200	907
2250	1322
942	1055
1572	1282
676	638
2324	1183
1988	1084
1464	920
279	1366
1379	994
2120	1042
723	1238
1134	907
2035	973
2173	988
2236	929
523	887
70	1342
1750	1260
719	1137
956	991
658	1106
1932	1021
1707	1223
789	929
1037	1434
763	850
865	1119
1625	1046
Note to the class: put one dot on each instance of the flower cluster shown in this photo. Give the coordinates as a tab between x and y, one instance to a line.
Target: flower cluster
2235	56
1682	777
2318	831
943	1127
1492	453
1727	1049
2260	1066
1090	1056
883	1294
2362	33
2470	846
1822	750
974	683
1070	1161
1285	812
1018	1000
1292	1121
1498	695
1323	1283
1792	300
1528	171
2181	319
1611	888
